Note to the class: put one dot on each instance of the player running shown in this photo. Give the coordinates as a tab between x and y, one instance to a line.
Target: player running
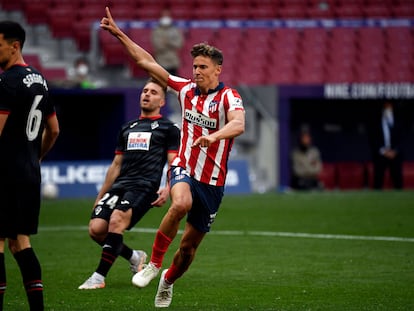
212	116
131	186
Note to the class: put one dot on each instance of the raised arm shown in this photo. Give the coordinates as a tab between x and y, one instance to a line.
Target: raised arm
141	57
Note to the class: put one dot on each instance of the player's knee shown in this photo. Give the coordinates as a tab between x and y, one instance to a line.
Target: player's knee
96	234
180	207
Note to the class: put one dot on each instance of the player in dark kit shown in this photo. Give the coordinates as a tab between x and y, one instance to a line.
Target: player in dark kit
131	186
28	129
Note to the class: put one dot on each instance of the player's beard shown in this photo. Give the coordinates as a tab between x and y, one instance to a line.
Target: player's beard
148	110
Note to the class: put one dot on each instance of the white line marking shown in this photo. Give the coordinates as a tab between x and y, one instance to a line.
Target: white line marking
259	233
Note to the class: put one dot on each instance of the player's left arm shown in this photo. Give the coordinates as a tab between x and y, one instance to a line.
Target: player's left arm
50	134
234	127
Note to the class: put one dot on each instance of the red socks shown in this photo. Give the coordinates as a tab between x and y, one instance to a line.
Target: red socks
160	247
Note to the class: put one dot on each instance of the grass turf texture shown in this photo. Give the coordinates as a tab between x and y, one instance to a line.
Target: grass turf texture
236	268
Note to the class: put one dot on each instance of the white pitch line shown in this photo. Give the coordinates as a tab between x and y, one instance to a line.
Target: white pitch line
259	233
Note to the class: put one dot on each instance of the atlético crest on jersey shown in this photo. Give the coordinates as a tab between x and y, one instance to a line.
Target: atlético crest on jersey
212	107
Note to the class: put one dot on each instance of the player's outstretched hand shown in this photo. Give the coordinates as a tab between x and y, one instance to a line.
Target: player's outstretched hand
108	23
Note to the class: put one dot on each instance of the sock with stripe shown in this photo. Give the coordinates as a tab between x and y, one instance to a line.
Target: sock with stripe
110	251
32	277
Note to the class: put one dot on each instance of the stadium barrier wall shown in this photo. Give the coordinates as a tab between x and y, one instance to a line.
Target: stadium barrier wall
83	179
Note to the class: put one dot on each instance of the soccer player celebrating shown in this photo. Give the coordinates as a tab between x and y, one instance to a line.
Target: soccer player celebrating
212	116
28	130
131	185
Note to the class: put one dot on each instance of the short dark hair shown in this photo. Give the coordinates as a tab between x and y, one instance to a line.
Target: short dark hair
207	50
13	31
152	80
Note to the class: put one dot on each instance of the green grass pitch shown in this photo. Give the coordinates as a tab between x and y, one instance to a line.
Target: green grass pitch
297	251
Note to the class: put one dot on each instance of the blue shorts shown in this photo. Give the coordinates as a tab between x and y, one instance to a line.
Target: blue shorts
206	199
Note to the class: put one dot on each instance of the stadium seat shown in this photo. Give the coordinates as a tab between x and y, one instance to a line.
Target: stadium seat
366	73
408	175
377	10
182	12
370	177
61	26
148	12
208	13
123	12
92	12
328	176
349	10
82	31
263	11
55	74
312	73
318	12
351	175
34	61
113	53
16	5
35	11
236	12
197	35
294	11
403	9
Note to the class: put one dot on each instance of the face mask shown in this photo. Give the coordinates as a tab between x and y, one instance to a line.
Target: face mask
165	21
82	70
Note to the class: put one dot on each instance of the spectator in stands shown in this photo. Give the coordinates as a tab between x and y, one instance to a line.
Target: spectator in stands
306	164
386	134
167	40
80	76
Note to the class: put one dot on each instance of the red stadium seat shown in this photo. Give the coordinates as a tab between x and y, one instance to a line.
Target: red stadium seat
208	13
292	11
263	11
317	12
82	31
197	35
16	5
52	74
403	9
328	176
34	61
35	11
377	10
408	175
370	177
60	24
349	10
236	12
351	175
182	12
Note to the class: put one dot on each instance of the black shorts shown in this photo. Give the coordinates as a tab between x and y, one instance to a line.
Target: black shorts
138	200
19	209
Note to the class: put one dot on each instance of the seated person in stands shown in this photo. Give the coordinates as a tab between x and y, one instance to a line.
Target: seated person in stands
306	164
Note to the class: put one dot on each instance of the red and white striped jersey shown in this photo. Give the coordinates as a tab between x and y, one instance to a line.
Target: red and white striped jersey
204	114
